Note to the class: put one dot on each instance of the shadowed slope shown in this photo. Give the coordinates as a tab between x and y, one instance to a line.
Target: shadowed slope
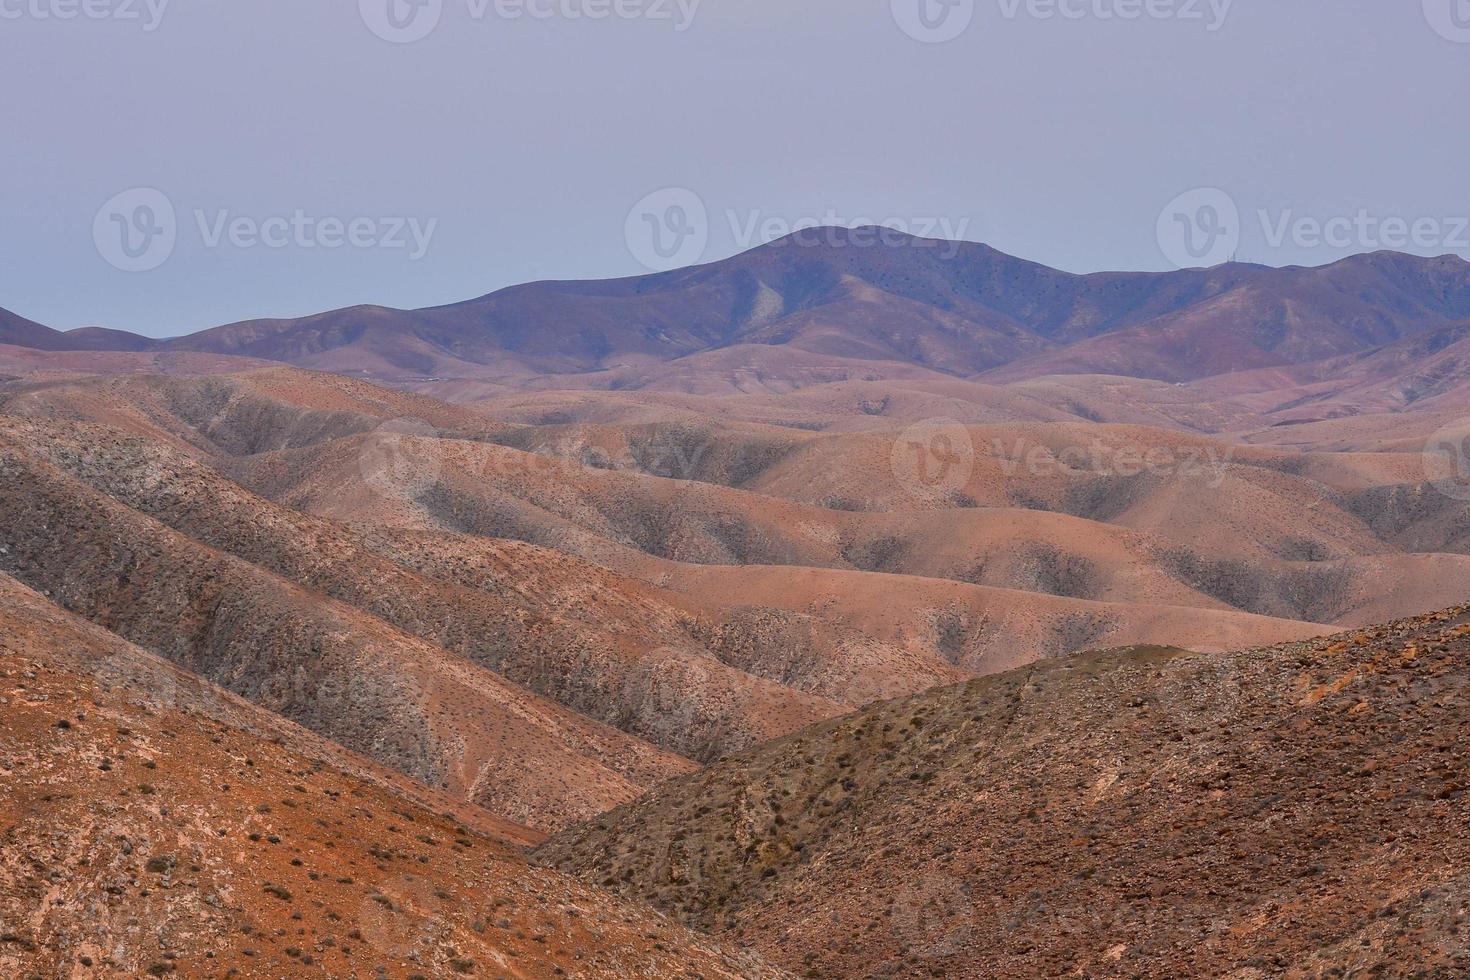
1149	813
19	331
242	413
326	665
653	529
603	646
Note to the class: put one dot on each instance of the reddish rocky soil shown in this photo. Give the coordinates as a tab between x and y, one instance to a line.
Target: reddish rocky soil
151	825
545	573
1293	811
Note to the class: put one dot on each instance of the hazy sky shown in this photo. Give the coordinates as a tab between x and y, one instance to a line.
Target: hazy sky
518	147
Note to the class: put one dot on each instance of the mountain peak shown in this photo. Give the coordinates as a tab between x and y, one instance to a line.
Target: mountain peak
868	293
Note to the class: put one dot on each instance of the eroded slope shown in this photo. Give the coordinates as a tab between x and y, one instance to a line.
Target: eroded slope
1291	811
151	825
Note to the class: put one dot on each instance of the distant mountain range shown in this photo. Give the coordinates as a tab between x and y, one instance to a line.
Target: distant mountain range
20	332
964	310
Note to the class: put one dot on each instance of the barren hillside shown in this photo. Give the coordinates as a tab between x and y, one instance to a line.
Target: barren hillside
1291	811
151	825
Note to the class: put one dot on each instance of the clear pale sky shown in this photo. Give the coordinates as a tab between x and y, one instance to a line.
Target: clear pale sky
529	140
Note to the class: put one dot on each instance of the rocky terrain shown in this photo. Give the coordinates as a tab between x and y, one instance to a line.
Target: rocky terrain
325	664
550	618
771	590
152	825
1292	811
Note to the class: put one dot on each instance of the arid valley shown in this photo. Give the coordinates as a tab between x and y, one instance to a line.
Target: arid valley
851	607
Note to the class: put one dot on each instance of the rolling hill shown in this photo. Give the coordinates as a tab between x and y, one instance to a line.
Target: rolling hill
1290	811
770	588
17	331
154	825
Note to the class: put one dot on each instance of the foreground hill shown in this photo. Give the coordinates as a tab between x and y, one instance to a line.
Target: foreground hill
1290	811
151	825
